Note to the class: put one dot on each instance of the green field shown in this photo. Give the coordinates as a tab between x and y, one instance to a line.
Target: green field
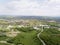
4	44
27	34
26	38
51	36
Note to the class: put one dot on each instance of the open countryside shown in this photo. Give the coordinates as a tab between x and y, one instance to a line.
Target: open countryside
28	31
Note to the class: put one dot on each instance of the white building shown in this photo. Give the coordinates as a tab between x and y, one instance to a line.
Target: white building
45	26
21	26
10	26
36	28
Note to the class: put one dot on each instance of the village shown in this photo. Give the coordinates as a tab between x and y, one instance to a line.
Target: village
13	28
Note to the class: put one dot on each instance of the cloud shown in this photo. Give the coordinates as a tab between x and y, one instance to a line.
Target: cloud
31	7
22	5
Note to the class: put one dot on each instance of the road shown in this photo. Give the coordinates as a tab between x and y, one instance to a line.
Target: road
38	35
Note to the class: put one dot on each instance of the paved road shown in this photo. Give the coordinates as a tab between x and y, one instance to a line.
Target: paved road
38	35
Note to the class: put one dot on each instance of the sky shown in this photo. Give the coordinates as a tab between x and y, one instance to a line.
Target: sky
30	7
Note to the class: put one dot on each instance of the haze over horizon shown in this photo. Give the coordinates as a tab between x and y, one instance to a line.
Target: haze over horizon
30	7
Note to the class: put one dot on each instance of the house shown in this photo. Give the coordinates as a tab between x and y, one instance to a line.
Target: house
45	26
36	28
20	26
10	26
